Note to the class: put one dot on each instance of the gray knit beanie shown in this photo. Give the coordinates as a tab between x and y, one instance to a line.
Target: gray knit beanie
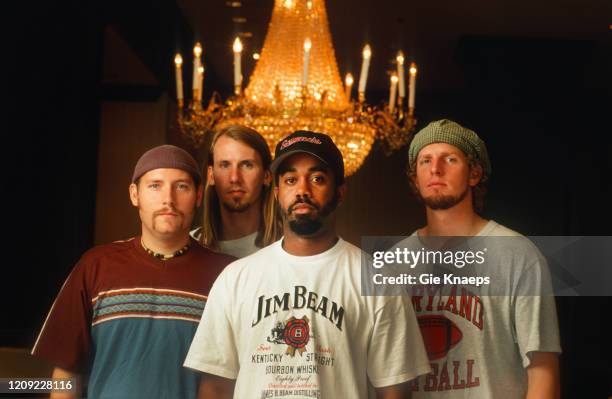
449	132
167	156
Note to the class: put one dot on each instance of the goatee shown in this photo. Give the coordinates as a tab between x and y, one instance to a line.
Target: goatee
236	207
443	202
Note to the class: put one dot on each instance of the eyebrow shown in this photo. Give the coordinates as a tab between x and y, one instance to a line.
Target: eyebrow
173	182
445	153
317	168
239	161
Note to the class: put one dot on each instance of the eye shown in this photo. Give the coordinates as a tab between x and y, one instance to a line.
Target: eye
452	159
248	165
424	161
289	180
154	186
224	164
184	187
318	179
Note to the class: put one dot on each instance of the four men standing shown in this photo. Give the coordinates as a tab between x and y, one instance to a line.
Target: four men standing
288	320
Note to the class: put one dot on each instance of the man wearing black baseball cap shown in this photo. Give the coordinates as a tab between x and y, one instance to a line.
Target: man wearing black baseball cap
289	320
128	310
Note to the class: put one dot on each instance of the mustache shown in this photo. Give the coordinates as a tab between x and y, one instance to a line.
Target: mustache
167	210
302	201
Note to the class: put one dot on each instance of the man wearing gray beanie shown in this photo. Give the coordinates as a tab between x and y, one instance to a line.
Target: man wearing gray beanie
128	310
508	346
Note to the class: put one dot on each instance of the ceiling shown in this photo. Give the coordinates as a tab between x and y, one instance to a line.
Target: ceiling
427	31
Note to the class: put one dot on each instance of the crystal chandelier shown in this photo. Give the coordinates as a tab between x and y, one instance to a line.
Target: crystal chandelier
296	85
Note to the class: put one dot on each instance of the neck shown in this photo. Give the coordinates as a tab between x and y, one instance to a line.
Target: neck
307	246
460	220
164	244
236	225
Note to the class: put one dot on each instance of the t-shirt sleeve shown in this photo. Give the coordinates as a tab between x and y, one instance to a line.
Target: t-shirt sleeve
396	353
535	313
65	339
213	349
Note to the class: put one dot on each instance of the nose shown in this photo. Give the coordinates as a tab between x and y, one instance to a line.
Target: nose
302	188
234	175
437	166
168	196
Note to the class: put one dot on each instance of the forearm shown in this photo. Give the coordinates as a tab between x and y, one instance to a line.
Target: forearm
400	391
543	376
215	387
61	373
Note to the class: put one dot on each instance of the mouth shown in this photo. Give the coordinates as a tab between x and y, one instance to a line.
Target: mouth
436	184
167	214
301	208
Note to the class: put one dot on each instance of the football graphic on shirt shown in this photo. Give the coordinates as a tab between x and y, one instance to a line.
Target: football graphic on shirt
440	335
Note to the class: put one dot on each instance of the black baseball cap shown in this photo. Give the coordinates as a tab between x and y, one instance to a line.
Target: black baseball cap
317	144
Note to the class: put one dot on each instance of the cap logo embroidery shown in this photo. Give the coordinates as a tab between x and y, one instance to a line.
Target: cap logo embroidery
287	143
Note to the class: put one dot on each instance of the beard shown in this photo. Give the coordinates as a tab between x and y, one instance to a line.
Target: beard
307	225
236	206
443	202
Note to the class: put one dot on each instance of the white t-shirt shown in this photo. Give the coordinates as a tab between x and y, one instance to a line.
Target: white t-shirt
289	326
484	348
238	248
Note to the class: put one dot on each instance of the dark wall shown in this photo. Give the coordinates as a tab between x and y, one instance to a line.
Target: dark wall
50	157
542	106
55	88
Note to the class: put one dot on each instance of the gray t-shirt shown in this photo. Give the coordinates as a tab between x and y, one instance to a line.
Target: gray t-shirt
479	344
238	248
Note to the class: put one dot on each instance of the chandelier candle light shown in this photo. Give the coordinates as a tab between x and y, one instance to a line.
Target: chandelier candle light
400	74
413	72
178	62
296	85
348	85
198	73
237	47
363	76
392	92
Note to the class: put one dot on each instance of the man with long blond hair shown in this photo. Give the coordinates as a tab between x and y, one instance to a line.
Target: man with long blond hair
240	215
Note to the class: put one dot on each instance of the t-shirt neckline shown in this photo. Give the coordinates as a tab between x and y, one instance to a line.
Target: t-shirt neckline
331	252
162	264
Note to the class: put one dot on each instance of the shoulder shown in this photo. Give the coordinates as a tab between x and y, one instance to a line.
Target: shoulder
497	230
100	252
210	256
511	246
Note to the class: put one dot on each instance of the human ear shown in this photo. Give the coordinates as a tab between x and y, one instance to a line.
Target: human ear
210	176
199	195
133	190
267	178
341	192
476	174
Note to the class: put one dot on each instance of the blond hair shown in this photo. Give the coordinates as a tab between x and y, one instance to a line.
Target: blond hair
270	227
